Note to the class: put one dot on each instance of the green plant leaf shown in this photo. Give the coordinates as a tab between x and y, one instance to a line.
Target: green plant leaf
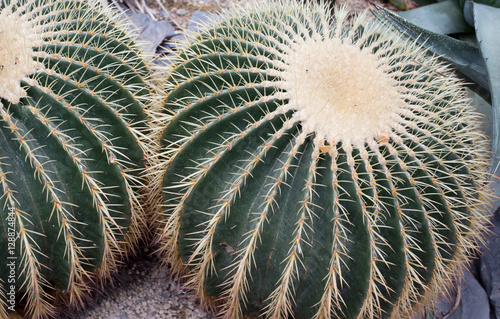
443	17
400	4
464	57
487	24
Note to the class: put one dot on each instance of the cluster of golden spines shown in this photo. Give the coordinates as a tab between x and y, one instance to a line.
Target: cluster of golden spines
18	36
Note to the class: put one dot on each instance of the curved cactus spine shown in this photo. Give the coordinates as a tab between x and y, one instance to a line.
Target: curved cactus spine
312	169
73	91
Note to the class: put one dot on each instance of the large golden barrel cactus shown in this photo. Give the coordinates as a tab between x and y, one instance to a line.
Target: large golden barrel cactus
315	168
72	96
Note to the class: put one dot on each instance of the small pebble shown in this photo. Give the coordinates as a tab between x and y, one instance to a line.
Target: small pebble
181	12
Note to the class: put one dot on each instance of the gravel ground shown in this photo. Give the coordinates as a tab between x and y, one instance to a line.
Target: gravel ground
142	289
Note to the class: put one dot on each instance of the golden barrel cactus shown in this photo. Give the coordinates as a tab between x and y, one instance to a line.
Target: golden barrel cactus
73	92
311	167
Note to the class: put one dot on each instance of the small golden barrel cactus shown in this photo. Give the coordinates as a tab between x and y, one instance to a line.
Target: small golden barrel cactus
72	96
312	168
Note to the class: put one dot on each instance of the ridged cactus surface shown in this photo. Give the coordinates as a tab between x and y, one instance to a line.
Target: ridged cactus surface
72	98
312	168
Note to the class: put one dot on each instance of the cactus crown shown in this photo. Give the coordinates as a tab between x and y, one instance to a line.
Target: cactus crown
18	36
315	169
339	98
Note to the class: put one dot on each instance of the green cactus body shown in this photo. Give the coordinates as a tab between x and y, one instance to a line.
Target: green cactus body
312	170
72	96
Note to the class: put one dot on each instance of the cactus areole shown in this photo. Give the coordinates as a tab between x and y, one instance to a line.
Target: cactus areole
72	91
313	168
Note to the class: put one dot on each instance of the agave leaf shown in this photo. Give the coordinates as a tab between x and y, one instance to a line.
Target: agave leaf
485	109
469	38
468	10
464	57
443	17
487	24
493	3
